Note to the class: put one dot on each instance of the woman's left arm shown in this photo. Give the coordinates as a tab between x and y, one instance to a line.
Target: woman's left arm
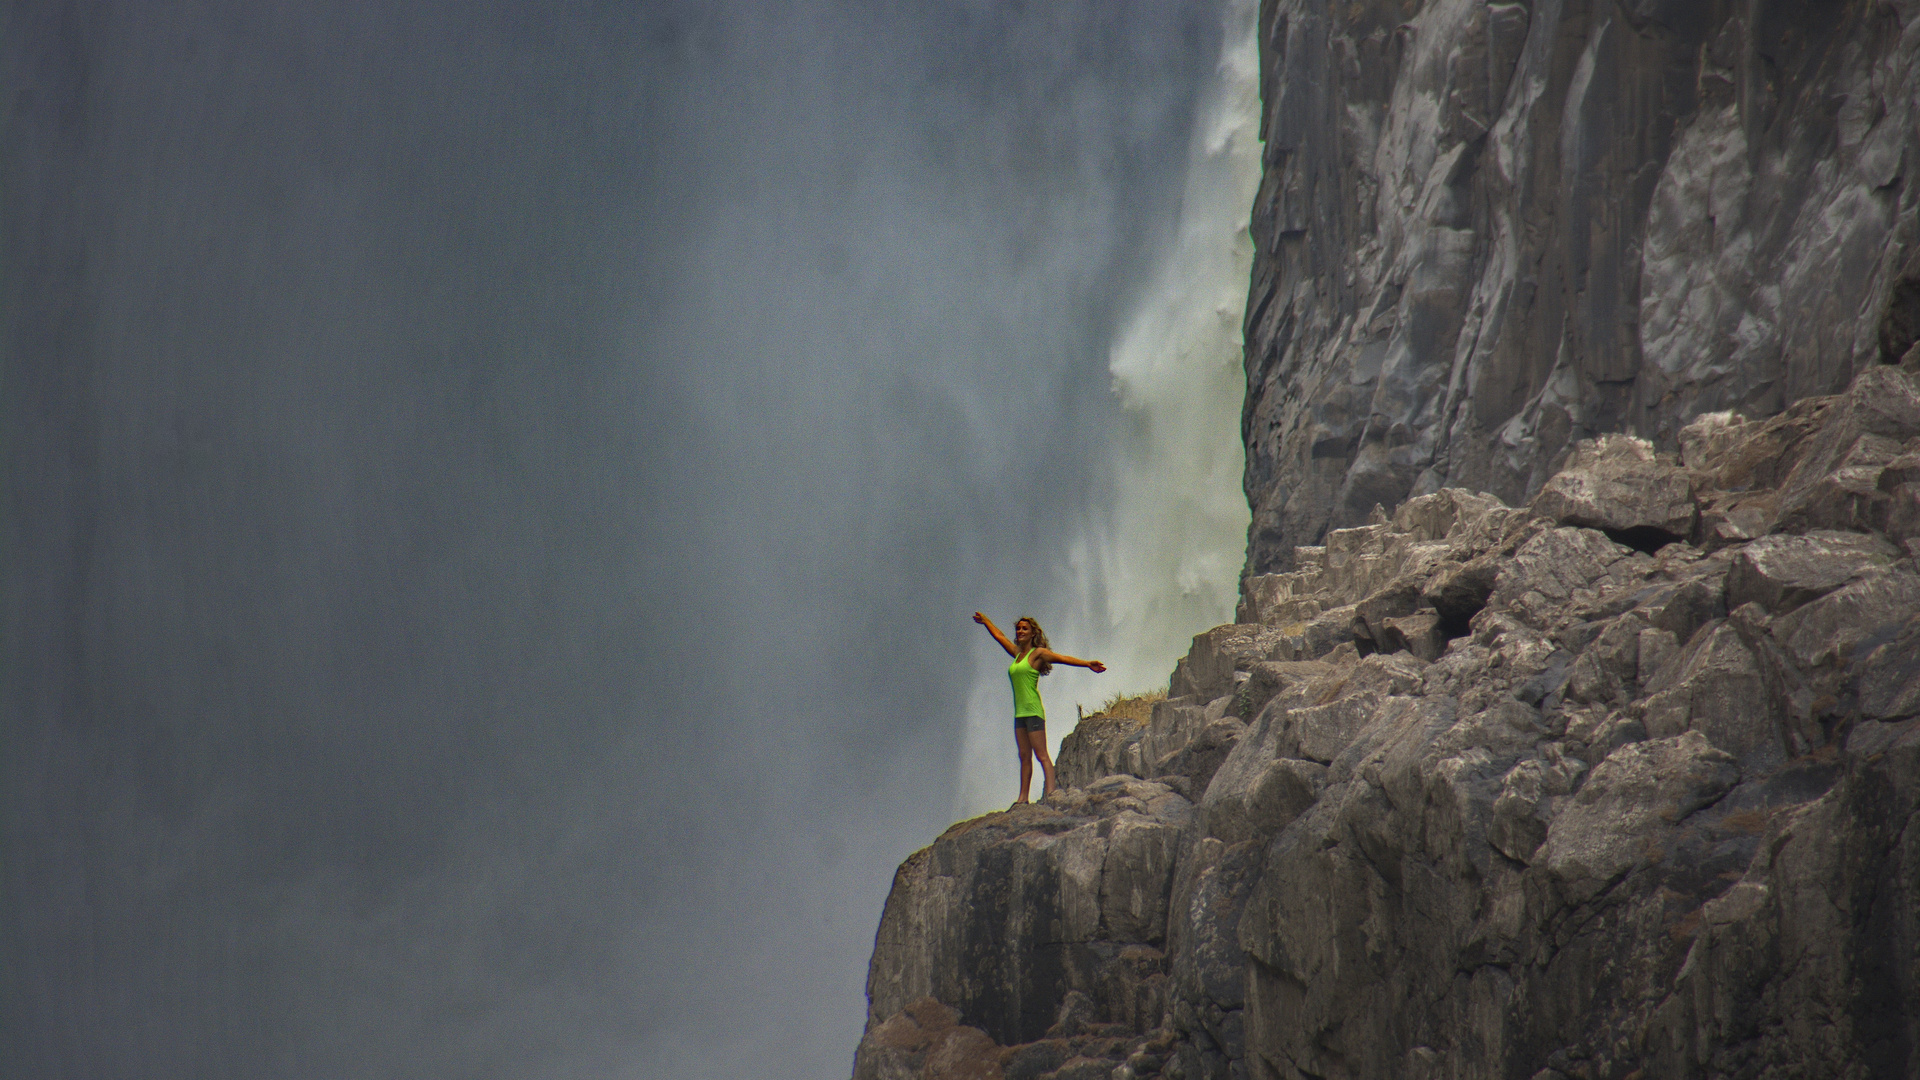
1094	666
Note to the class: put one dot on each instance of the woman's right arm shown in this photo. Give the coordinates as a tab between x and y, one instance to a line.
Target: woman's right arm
995	631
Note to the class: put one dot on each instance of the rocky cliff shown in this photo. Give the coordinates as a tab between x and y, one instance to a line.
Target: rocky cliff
1625	783
1570	723
1488	230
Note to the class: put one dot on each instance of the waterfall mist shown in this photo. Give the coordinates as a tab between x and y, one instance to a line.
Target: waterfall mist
497	491
1160	561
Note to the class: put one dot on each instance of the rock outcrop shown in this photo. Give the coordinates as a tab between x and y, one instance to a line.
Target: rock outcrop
1623	783
1491	229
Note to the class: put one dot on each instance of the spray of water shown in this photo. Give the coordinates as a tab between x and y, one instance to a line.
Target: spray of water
1161	563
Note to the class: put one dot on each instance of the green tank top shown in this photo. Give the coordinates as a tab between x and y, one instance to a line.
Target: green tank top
1026	687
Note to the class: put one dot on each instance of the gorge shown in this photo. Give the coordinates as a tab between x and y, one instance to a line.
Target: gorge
1569	726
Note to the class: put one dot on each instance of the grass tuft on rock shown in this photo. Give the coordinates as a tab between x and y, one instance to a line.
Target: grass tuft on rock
1135	707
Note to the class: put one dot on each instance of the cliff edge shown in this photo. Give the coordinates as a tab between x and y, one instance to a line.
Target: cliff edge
1623	783
1569	727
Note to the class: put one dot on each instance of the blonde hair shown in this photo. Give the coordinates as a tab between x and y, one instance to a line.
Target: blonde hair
1037	641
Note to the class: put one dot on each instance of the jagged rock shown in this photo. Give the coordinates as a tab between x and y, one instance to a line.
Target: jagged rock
1735	518
1345	702
1609	668
1316	638
1525	804
1826	631
1083	1068
1280	599
1617	484
1458	591
1488	231
1027	896
1730	453
1653	651
1558	568
1559	805
1640	814
1268	679
1835	483
1100	746
1397	598
1076	1016
1174	724
1823	924
1452	514
1422	633
1208	670
1134	988
1196	761
1261	798
1783	572
1687	607
1638	790
1718	689
1841	494
1889	681
1030	1061
899	1048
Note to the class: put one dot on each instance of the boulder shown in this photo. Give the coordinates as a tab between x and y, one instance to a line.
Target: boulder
1718	689
1264	801
1608	669
1421	633
1617	484
1639	791
1843	493
1028	897
1208	669
1783	572
1278	599
1730	454
1458	591
1835	482
1196	761
1548	573
1269	678
1315	638
1174	724
1100	746
1525	805
1825	632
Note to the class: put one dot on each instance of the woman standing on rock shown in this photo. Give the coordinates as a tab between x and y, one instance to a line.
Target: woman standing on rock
1031	659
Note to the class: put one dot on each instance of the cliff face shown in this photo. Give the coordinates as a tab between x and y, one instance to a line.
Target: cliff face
1624	783
1570	723
1490	229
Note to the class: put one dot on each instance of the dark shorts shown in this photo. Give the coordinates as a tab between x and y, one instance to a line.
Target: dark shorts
1029	723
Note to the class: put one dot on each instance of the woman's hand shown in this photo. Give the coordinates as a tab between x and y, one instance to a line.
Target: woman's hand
1097	667
980	618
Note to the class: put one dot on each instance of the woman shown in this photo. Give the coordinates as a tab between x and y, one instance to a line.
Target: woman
1031	659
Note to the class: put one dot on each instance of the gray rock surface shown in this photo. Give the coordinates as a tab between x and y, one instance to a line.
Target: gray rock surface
1488	230
1612	813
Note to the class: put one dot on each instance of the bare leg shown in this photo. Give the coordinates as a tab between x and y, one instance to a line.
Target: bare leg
1026	763
1037	741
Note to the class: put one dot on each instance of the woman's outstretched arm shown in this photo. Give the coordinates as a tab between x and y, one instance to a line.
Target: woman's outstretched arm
995	631
1094	666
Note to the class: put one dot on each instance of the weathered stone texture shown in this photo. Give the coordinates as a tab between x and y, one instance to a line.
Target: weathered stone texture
1488	230
1611	812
